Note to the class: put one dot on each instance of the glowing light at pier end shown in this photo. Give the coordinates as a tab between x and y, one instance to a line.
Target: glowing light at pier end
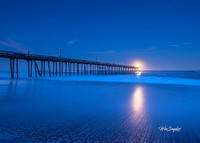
140	64
138	71
137	65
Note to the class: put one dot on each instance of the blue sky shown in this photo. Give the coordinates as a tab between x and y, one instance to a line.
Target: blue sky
164	35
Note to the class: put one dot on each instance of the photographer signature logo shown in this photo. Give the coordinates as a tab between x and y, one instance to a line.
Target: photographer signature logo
177	129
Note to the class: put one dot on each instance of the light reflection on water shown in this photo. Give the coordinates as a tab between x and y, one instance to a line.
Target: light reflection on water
138	100
138	73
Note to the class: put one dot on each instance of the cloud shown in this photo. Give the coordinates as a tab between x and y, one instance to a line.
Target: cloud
152	48
187	43
102	52
173	45
14	45
71	42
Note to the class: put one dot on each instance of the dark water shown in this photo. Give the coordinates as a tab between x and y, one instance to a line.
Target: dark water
174	74
63	111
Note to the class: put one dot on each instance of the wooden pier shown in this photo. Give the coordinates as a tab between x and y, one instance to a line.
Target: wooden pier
60	66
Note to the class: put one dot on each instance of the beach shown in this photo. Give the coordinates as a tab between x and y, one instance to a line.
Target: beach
50	110
99	71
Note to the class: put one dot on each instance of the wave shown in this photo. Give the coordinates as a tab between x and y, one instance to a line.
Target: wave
131	78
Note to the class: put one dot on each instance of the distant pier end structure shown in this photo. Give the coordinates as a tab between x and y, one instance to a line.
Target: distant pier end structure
60	66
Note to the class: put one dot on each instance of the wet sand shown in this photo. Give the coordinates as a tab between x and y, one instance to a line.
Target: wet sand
69	111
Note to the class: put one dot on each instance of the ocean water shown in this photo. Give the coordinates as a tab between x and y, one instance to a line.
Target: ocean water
151	77
114	108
